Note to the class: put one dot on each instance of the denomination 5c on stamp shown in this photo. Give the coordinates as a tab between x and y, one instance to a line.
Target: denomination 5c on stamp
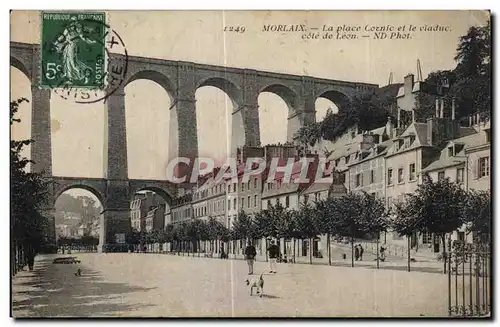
73	50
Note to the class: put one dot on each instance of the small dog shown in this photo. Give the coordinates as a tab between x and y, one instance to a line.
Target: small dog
78	272
256	283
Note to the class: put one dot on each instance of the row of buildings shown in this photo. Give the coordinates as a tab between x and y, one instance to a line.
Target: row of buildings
388	162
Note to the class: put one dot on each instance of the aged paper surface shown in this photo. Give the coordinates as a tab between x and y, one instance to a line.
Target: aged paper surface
251	163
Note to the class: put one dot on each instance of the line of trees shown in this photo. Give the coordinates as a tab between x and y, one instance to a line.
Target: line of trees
440	208
28	195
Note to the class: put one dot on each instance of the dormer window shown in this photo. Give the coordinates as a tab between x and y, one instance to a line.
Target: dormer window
451	150
412	139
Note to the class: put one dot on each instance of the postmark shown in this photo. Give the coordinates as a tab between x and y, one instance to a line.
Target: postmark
82	58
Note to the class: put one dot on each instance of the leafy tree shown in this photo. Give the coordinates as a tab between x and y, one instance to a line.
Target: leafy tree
29	195
435	207
264	226
477	215
328	224
305	225
243	227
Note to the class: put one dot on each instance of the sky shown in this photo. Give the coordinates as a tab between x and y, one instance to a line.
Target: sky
197	36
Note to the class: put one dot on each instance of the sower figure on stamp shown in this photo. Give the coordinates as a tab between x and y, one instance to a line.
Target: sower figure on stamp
67	45
250	254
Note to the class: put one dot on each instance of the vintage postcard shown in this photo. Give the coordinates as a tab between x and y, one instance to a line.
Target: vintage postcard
250	164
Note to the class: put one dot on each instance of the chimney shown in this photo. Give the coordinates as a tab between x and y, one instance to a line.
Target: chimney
453	109
437	108
408	84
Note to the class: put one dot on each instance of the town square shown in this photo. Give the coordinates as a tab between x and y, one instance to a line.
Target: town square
208	178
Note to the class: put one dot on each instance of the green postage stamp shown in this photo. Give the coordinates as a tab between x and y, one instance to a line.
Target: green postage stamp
73	50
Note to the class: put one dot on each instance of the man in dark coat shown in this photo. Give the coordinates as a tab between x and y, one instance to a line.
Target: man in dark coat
250	254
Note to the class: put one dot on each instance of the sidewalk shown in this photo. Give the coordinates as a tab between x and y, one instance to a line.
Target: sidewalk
369	262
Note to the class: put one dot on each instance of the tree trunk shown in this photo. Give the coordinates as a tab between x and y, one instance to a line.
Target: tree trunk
294	242
443	236
329	249
409	240
378	250
310	251
352	252
267	256
14	258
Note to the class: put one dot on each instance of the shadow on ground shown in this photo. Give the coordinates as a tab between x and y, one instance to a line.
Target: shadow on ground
53	290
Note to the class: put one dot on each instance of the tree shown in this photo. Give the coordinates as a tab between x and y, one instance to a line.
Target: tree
349	213
243	227
477	215
29	196
374	217
328	224
305	225
435	207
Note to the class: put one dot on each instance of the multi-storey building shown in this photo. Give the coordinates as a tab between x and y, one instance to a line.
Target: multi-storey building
479	159
209	199
366	169
141	205
181	209
155	218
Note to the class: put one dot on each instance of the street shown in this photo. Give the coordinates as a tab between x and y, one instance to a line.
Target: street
159	285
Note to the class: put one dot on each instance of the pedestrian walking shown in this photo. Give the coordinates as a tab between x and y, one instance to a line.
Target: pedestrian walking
273	251
361	250
250	254
356	253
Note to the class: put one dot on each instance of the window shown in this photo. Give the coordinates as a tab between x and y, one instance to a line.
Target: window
306	197
412	139
228	204
412	176
268	204
234	187
235	207
248	202
277	200
287	201
242	202
255	200
484	166
460	175
461	236
255	183
389	176
451	153
242	187
372	176
401	177
440	176
426	237
359	180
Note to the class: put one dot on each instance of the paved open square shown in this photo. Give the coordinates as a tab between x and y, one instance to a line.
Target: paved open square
159	285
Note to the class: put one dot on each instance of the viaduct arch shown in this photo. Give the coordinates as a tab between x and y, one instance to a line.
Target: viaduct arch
180	80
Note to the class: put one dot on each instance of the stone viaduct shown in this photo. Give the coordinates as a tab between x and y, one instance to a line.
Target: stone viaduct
180	80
